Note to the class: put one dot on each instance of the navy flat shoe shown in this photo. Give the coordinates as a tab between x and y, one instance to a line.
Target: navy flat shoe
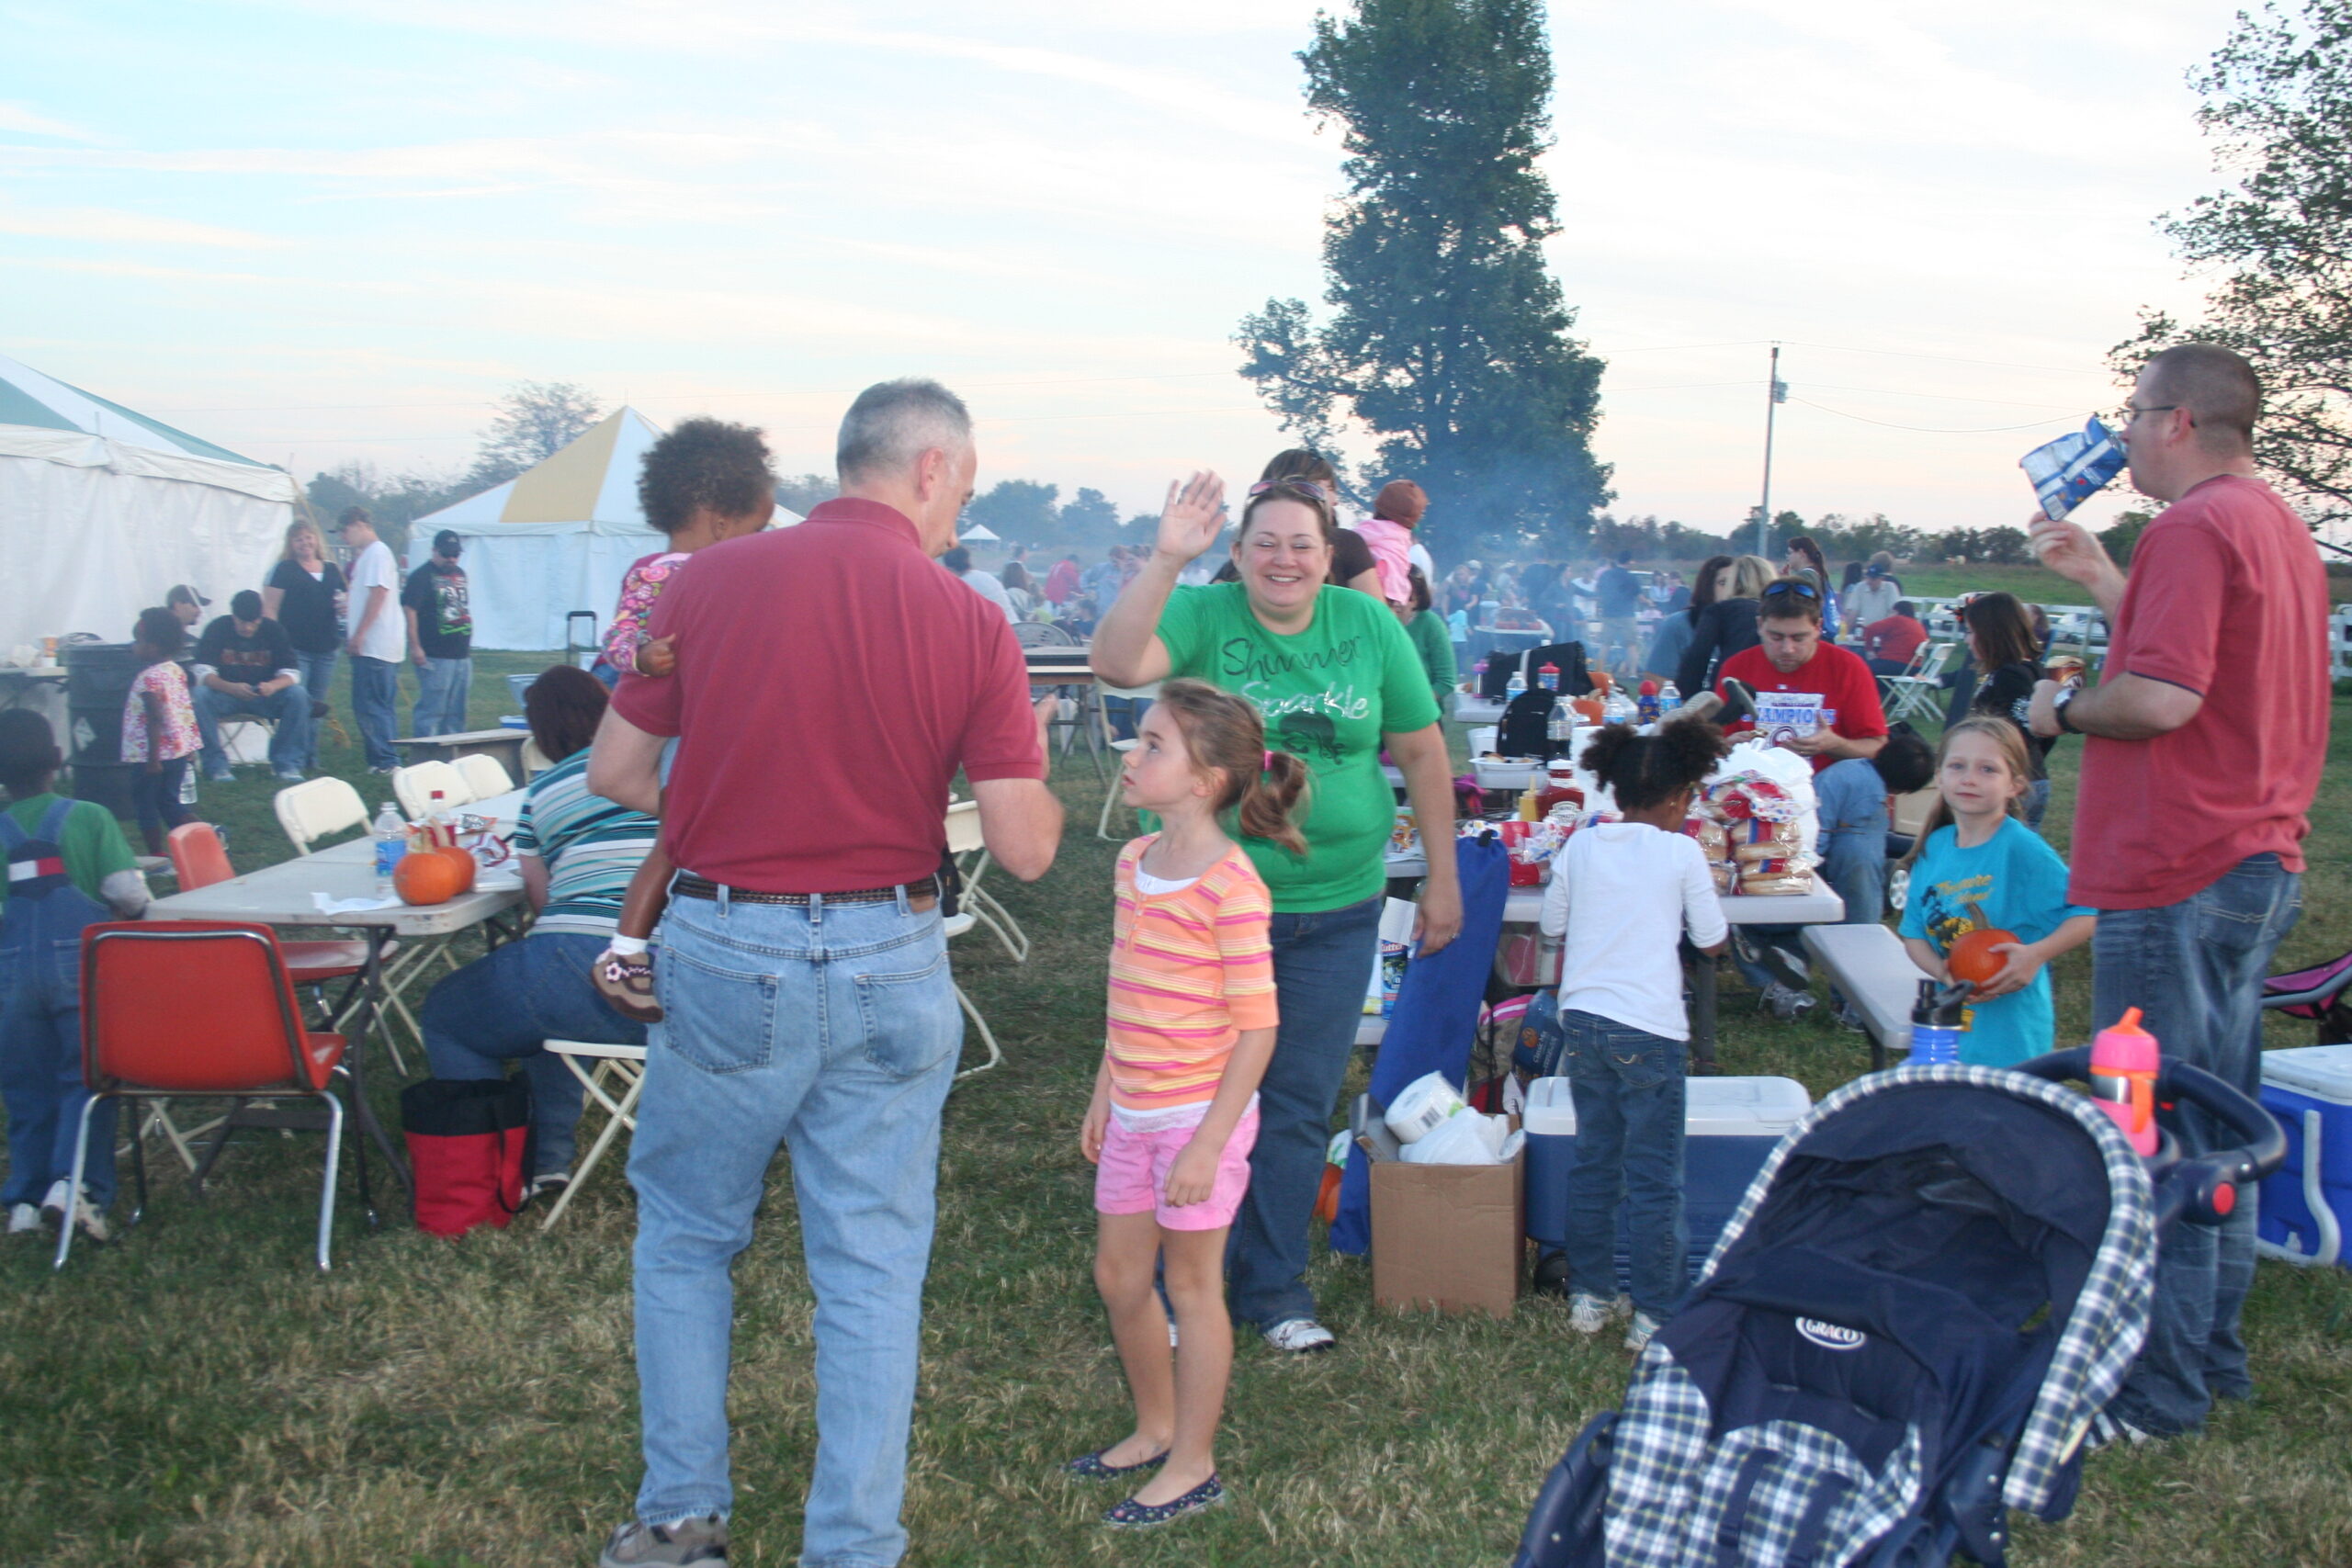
1134	1516
1089	1467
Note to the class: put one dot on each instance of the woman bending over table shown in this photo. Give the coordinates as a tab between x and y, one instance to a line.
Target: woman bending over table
1337	680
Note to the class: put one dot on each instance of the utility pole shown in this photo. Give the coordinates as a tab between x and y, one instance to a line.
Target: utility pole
1777	395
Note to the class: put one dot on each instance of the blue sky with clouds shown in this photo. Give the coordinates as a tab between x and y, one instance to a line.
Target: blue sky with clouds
320	231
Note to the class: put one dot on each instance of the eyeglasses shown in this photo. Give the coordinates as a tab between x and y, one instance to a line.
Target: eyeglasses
2133	411
1793	590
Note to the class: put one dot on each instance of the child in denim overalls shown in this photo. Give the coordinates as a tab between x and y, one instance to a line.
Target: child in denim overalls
63	857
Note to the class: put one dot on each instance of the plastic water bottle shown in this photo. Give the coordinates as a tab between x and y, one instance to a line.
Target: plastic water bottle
1517	686
1619	709
2124	1062
1938	1021
392	843
1668	697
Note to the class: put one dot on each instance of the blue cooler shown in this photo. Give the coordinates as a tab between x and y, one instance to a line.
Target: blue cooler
1729	1129
2306	1207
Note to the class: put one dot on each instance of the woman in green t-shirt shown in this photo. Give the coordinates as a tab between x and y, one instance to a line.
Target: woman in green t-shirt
1337	680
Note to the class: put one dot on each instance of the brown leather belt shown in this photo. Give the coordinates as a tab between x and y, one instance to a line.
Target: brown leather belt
920	895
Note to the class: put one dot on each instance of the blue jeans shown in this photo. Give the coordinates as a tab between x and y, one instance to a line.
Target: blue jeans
500	1009
1628	1088
442	687
834	1031
375	692
40	1065
2195	969
288	711
1322	963
318	679
155	799
1853	837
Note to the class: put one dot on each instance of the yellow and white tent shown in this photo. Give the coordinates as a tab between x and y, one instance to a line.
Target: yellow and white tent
557	538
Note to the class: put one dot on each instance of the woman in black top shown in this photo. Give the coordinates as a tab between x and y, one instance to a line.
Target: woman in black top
305	595
2002	644
1725	626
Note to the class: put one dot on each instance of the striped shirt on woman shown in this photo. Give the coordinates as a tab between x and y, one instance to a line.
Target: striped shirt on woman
1190	970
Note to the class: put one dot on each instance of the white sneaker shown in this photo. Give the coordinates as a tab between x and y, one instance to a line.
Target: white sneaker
1785	1003
52	1208
1637	1332
1588	1314
1300	1336
23	1218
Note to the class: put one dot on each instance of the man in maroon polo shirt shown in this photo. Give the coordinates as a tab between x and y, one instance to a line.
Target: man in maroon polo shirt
2204	741
830	680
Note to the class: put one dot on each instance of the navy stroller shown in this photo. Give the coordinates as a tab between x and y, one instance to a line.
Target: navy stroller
1937	1280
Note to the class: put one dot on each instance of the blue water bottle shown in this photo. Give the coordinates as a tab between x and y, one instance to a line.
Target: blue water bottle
1938	1021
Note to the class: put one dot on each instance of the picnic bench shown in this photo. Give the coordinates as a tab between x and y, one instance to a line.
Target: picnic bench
1868	964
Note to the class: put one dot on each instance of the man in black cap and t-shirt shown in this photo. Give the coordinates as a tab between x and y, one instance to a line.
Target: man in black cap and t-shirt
440	638
245	665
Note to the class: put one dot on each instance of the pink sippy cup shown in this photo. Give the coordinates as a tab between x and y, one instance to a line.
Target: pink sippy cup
2123	1079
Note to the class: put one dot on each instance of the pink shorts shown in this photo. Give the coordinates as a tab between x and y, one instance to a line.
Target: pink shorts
1132	1175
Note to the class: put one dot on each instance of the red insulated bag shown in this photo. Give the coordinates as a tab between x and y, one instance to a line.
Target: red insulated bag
465	1142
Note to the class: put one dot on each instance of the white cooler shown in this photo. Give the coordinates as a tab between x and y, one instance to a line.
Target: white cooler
1730	1127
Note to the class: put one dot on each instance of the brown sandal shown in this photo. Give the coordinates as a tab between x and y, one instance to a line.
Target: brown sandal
627	985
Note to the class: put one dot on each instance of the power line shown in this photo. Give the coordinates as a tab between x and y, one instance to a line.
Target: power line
1931	429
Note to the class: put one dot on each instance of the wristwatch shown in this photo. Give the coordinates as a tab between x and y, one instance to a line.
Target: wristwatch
2058	710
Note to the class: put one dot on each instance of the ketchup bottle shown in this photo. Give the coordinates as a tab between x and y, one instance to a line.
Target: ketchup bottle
2124	1062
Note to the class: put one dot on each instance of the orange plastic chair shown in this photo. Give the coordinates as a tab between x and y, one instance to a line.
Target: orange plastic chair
198	861
183	1009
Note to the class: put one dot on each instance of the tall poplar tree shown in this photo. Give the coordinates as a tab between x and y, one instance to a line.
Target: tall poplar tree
1449	337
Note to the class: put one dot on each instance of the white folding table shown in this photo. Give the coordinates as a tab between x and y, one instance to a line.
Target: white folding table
286	894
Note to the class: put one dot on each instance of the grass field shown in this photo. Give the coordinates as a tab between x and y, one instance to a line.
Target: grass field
198	1395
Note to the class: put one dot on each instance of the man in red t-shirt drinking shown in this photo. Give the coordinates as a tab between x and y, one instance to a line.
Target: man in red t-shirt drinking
2205	739
1812	696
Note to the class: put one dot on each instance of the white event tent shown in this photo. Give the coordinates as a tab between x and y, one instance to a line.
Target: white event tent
101	510
557	537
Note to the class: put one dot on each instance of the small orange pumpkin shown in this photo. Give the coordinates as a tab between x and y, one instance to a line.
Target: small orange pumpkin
466	866
1972	957
427	876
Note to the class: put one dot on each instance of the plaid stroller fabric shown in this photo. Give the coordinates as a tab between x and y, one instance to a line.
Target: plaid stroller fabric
2110	1319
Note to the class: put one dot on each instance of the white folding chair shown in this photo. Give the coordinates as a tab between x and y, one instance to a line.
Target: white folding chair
534	761
972	862
310	810
245	737
624	1065
485	776
1110	793
964	838
414	788
1917	695
1103	691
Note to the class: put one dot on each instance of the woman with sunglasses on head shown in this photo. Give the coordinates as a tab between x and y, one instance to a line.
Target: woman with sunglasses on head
1352	565
1338	679
1727	626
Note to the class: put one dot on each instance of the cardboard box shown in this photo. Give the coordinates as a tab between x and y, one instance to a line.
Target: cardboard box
1451	1237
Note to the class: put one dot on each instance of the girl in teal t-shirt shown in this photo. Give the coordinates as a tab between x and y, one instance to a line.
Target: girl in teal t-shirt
1979	866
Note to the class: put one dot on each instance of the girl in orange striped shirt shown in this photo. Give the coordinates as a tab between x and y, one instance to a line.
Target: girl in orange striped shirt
1190	1026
